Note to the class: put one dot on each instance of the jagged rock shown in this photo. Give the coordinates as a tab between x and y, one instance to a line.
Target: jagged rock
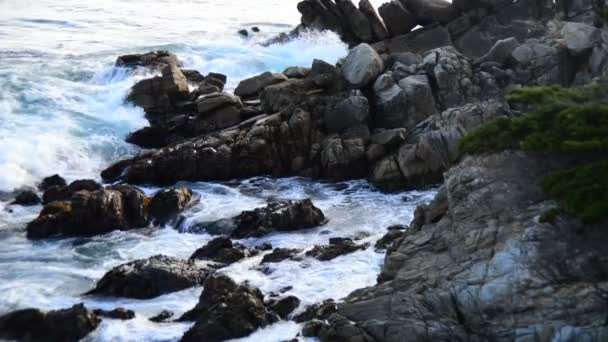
397	18
152	277
284	306
418	41
336	248
166	204
154	60
296	72
160	93
323	74
57	193
278	215
324	15
65	325
210	102
405	58
378	28
280	254
48	182
26	198
348	113
389	138
343	157
118	313
163	316
389	239
432	212
226	311
222	250
430	11
193	76
252	86
362	65
357	21
319	311
149	137
579	37
500	52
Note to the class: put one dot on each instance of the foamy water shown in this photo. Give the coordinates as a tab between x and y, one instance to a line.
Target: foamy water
62	111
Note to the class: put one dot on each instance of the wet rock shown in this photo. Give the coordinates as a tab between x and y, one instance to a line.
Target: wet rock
296	72
319	311
48	182
159	94
208	103
357	21
397	18
154	60
388	239
163	316
405	58
418	41
378	28
323	74
343	157
244	33
152	277
57	193
284	306
500	52
252	86
313	328
167	204
362	65
266	246
348	113
336	248
193	76
280	254
149	137
27	198
65	325
222	250
225	311
279	215
118	313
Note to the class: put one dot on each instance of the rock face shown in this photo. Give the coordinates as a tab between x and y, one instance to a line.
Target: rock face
225	311
398	20
154	60
123	207
152	277
362	65
161	93
67	325
278	215
494	267
252	86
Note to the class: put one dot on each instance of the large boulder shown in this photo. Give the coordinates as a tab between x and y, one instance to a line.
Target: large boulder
356	21
430	11
252	86
278	215
223	250
397	18
579	37
362	65
226	311
210	102
67	325
159	94
26	198
64	193
168	203
152	277
379	30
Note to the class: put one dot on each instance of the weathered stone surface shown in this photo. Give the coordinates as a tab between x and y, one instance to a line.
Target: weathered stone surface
159	94
280	254
430	11
579	37
252	86
63	193
167	203
226	311
154	60
67	325
362	65
348	113
26	198
418	41
207	103
223	250
48	182
117	313
397	18
379	30
500	52
296	72
494	267
284	306
152	277
356	21
337	247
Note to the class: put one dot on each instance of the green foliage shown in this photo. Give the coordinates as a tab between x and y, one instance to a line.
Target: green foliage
582	191
562	120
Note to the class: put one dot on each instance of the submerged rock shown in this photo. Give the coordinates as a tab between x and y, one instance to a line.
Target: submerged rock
152	277
280	254
225	311
284	306
67	325
163	316
166	204
27	198
118	313
337	247
224	251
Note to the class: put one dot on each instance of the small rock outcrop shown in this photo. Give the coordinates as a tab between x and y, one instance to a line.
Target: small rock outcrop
224	251
152	277
362	65
27	198
153	60
118	313
337	247
225	311
67	325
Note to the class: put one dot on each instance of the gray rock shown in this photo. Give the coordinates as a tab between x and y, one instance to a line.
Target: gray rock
152	277
419	41
348	113
397	18
252	86
579	37
430	11
362	65
405	58
207	103
356	20
157	95
500	52
153	60
296	72
379	30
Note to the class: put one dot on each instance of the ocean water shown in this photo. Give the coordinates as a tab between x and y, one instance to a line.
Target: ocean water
62	111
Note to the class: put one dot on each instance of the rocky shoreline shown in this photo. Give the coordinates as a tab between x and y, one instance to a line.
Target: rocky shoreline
476	264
